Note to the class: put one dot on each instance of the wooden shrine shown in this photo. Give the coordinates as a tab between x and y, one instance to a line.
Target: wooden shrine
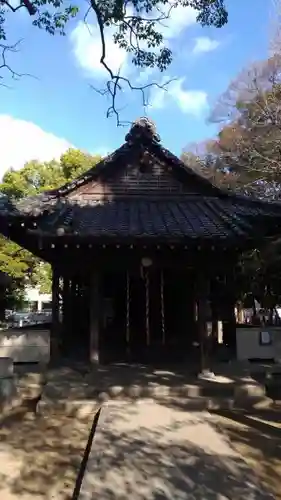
143	251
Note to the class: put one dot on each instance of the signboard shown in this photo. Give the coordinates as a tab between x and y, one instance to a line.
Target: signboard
265	338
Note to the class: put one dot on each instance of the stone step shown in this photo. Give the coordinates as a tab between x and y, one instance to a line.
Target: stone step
8	386
85	408
6	367
31	384
62	397
8	393
19	384
64	389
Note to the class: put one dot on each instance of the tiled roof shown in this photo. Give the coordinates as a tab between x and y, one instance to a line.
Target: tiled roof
199	217
211	213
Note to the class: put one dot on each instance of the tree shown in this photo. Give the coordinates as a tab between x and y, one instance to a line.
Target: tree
246	151
75	162
275	28
135	24
17	263
245	156
205	159
33	178
248	112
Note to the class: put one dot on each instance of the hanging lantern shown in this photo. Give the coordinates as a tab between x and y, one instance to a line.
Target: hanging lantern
146	262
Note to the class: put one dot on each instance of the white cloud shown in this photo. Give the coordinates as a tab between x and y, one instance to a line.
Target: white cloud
145	75
179	19
22	141
14	3
193	102
86	41
204	44
87	50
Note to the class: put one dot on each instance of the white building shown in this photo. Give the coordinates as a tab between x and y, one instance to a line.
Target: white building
39	300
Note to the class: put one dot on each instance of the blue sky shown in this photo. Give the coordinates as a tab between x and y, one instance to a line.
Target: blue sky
40	117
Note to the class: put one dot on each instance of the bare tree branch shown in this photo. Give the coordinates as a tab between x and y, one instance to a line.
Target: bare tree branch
136	29
4	49
30	7
114	84
13	9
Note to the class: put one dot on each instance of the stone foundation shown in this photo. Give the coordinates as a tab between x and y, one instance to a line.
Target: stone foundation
70	390
8	387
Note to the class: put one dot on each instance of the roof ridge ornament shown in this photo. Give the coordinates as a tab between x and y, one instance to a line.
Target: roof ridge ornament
142	130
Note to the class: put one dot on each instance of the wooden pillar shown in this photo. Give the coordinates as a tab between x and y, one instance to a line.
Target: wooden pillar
202	321
214	301
66	315
55	327
228	313
229	323
94	317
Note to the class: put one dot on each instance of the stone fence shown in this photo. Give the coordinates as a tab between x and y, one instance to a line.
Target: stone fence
25	345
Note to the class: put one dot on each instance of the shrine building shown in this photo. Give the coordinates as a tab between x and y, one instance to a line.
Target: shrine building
143	251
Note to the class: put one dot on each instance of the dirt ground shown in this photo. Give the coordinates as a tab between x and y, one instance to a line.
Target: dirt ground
40	458
257	437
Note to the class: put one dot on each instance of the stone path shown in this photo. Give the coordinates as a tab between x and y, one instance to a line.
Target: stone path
146	451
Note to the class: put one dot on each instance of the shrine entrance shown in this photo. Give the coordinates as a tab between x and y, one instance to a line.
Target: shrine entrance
147	316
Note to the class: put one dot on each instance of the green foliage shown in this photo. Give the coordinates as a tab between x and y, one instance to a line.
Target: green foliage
136	23
14	260
75	162
14	296
139	21
53	16
136	26
33	178
42	277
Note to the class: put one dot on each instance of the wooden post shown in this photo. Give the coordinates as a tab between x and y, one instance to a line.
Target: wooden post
66	315
202	315
94	317
55	327
215	325
229	319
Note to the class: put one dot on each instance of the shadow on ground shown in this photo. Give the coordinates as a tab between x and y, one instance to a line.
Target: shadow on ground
257	437
170	454
148	452
81	382
40	457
